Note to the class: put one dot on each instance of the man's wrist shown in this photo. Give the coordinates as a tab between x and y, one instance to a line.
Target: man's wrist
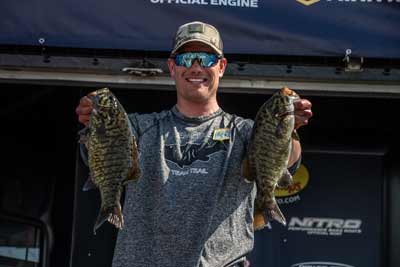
295	135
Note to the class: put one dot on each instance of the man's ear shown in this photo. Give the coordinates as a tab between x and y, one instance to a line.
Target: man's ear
222	66
171	67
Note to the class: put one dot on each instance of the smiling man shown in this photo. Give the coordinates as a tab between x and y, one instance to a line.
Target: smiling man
191	206
196	85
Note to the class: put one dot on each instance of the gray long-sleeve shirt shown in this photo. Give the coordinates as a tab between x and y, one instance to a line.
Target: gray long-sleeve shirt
191	206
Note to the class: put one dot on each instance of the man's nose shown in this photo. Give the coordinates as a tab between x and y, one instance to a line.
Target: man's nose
196	66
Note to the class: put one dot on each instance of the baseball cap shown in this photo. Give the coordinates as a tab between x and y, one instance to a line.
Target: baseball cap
199	32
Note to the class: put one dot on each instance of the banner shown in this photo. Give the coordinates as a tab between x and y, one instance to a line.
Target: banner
334	212
370	28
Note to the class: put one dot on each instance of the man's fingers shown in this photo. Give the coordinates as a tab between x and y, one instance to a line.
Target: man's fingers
83	110
300	121
302	108
302	104
84	119
307	113
302	112
85	106
85	101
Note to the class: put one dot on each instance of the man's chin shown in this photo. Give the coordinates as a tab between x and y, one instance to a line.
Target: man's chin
198	96
198	89
198	86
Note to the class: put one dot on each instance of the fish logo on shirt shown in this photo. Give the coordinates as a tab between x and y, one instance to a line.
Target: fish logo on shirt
189	153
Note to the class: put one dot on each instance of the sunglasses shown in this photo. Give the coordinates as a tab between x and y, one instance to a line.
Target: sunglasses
206	60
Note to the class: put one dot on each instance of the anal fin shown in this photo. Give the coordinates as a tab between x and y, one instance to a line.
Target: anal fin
285	180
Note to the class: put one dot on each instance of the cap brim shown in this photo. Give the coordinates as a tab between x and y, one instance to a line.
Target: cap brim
216	50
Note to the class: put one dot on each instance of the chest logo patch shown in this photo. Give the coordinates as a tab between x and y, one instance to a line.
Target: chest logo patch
222	134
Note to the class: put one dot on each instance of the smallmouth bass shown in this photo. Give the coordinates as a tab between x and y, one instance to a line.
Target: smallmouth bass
112	155
268	154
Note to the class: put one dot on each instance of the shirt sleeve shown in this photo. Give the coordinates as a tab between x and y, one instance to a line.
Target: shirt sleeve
245	128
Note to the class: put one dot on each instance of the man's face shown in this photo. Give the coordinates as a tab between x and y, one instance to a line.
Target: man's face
197	84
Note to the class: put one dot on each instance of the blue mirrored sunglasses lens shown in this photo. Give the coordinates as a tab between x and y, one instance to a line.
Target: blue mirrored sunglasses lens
205	60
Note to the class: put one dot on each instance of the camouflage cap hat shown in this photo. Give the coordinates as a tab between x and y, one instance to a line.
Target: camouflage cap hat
199	32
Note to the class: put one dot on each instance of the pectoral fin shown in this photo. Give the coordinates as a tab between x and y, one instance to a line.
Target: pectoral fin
279	131
89	185
83	136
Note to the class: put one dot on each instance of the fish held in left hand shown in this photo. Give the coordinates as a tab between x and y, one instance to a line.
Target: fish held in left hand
112	154
268	154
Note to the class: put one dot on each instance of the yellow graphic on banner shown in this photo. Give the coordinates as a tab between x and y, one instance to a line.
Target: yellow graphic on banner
300	181
308	2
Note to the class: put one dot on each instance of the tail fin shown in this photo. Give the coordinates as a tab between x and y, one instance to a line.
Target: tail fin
276	214
262	219
111	214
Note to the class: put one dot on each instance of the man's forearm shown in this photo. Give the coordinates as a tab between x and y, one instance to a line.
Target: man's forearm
295	152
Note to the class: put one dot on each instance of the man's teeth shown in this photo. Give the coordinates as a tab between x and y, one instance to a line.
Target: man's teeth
196	80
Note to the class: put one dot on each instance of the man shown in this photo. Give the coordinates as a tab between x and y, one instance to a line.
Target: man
192	206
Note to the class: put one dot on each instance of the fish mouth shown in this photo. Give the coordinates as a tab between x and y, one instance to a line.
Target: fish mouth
288	92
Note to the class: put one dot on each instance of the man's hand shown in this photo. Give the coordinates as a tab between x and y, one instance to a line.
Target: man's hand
84	109
302	112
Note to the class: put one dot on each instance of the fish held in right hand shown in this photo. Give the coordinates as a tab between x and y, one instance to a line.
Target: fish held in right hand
112	154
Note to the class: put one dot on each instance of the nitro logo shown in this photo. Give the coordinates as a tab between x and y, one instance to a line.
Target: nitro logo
325	226
320	264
